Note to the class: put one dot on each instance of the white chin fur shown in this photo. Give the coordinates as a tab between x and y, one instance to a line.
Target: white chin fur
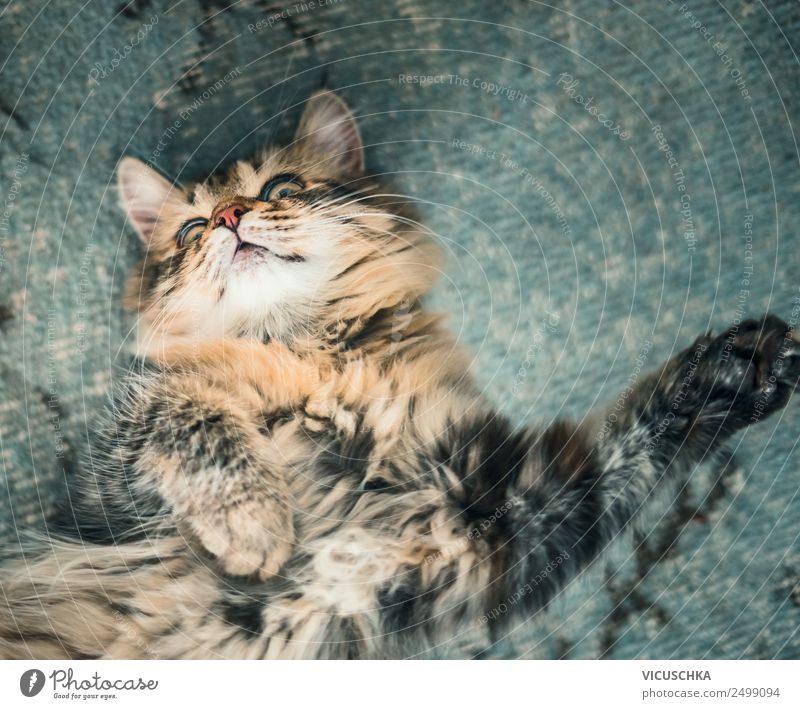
261	296
271	296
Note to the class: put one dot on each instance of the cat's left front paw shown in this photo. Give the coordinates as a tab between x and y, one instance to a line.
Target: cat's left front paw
755	366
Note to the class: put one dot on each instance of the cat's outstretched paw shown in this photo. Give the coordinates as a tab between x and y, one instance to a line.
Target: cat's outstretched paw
766	353
747	373
248	539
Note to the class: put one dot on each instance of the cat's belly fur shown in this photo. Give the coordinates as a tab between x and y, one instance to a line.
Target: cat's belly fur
375	517
357	558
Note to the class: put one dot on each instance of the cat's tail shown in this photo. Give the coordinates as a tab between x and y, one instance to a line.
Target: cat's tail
68	600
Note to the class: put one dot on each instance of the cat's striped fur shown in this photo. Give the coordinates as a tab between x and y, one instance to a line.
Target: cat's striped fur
302	467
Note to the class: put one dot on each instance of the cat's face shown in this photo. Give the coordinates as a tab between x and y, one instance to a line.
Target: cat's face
287	244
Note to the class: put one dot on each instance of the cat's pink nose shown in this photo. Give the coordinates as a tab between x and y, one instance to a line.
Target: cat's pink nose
230	216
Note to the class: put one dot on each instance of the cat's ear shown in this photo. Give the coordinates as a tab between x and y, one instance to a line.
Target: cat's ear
328	129
143	193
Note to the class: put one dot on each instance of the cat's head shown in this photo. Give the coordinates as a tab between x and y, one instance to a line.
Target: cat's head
292	244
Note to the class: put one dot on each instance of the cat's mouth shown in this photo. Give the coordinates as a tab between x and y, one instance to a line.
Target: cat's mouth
244	249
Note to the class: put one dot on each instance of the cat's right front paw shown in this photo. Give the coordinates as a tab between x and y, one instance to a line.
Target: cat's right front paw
247	539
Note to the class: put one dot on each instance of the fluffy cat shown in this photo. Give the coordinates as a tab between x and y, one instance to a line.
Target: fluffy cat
302	467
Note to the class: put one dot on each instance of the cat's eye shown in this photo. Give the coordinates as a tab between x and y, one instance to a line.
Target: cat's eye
280	187
191	231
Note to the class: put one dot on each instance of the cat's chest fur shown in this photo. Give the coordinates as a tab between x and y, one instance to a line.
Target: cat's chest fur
347	429
338	394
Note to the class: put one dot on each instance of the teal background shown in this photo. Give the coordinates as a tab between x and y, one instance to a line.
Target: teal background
550	218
